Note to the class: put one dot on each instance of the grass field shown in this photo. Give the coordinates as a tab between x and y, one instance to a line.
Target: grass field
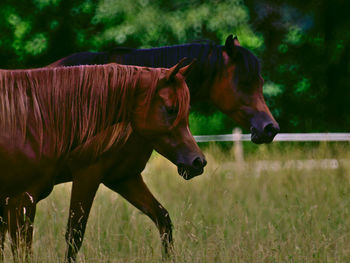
229	214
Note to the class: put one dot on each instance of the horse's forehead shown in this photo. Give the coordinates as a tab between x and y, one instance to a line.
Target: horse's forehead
168	95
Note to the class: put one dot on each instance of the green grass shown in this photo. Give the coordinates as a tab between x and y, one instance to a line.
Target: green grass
226	215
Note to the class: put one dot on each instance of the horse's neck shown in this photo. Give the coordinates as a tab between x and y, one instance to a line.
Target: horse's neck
200	78
84	116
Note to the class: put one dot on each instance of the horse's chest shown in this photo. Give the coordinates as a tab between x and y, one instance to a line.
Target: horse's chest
130	160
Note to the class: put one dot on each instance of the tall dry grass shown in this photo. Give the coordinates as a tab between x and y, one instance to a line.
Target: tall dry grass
229	214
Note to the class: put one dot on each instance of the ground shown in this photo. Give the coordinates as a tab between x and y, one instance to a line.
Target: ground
232	213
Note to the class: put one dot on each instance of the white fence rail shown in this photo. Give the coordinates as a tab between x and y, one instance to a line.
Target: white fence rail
237	137
281	137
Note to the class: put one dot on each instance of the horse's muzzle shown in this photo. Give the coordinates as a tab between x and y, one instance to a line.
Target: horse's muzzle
266	135
193	170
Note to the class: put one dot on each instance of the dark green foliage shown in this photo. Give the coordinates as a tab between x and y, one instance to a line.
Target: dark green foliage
304	46
37	32
307	54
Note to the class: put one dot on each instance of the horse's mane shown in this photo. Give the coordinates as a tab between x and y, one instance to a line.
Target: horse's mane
208	55
65	108
82	58
248	65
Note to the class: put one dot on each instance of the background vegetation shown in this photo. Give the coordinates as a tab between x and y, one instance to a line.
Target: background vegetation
304	47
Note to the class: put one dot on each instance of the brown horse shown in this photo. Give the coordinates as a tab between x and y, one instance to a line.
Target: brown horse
226	76
66	119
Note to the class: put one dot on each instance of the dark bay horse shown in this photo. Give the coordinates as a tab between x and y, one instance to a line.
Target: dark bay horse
54	120
227	76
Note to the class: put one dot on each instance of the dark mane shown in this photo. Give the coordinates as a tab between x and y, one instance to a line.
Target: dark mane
83	58
206	52
209	63
248	65
68	106
168	56
209	60
208	55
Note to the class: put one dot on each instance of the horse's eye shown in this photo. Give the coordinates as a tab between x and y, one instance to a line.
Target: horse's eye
171	110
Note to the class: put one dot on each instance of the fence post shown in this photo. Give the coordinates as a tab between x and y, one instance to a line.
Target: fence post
237	145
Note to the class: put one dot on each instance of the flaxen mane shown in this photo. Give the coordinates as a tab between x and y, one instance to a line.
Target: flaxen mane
63	108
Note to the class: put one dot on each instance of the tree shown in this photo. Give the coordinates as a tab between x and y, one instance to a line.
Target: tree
307	55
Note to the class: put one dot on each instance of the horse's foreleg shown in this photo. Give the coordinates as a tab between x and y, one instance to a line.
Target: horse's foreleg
137	193
19	213
83	192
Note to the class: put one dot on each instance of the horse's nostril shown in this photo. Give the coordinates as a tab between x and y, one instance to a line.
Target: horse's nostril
199	163
271	129
204	162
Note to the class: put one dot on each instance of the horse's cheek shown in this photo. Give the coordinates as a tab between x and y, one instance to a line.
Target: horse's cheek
221	99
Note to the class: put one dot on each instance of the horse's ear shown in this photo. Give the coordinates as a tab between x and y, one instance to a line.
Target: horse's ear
231	44
186	69
236	42
174	70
